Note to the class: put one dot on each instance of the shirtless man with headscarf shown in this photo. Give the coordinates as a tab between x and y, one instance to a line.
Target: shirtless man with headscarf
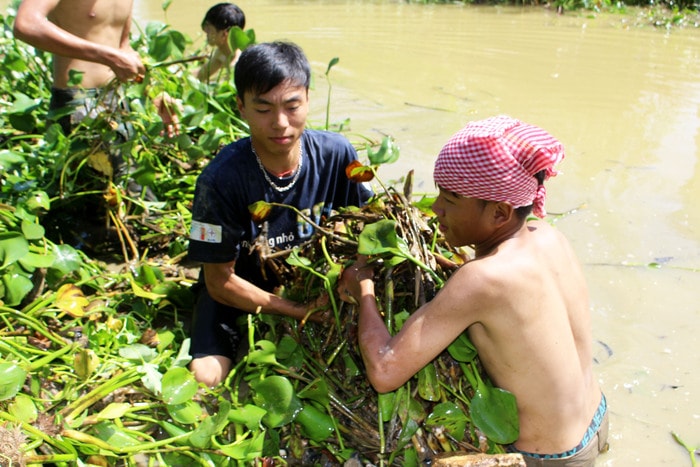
88	36
522	300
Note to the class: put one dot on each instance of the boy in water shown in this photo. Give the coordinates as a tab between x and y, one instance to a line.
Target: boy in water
216	24
522	300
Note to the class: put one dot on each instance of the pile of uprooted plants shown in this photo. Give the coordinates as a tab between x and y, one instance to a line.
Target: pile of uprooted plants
90	375
446	407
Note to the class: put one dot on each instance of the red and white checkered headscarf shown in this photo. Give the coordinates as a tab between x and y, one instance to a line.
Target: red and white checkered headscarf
496	160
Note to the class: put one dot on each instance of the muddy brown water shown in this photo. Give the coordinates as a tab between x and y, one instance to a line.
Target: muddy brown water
624	100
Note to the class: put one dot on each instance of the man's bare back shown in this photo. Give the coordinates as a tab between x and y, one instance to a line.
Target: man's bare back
534	338
526	310
91	36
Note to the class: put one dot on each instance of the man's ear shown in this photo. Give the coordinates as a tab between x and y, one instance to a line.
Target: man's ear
239	104
502	213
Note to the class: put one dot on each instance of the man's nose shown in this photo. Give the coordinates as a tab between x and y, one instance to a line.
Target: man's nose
281	120
437	207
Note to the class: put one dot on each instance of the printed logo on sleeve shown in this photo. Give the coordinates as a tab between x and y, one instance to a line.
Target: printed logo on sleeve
204	232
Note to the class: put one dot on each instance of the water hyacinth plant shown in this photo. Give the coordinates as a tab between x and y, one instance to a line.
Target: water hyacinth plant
96	298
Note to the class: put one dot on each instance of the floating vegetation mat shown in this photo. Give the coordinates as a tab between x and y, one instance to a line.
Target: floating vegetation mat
94	372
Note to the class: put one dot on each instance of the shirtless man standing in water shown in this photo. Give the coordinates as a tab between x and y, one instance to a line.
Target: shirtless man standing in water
88	36
522	300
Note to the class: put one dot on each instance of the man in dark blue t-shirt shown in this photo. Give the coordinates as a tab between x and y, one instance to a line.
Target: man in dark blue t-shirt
281	162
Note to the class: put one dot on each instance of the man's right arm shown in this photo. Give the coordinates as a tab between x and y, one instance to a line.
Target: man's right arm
209	69
390	361
225	287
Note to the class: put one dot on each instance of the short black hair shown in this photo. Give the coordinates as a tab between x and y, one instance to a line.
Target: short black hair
263	66
224	16
524	211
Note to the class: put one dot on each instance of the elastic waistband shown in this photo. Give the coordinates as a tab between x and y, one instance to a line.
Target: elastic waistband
71	97
75	93
587	437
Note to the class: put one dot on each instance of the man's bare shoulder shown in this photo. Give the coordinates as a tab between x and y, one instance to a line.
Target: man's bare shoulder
486	272
543	232
475	284
511	267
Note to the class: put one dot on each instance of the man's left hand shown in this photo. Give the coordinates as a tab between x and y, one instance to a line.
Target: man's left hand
168	109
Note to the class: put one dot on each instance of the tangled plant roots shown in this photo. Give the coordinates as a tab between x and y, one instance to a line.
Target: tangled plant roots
333	350
11	439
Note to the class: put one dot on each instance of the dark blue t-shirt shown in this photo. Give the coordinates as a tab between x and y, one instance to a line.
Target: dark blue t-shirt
222	227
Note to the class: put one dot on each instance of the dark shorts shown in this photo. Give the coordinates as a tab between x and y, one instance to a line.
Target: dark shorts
594	442
68	107
216	328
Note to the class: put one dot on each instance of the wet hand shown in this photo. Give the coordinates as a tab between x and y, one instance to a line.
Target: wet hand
350	283
127	65
346	296
168	109
318	311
